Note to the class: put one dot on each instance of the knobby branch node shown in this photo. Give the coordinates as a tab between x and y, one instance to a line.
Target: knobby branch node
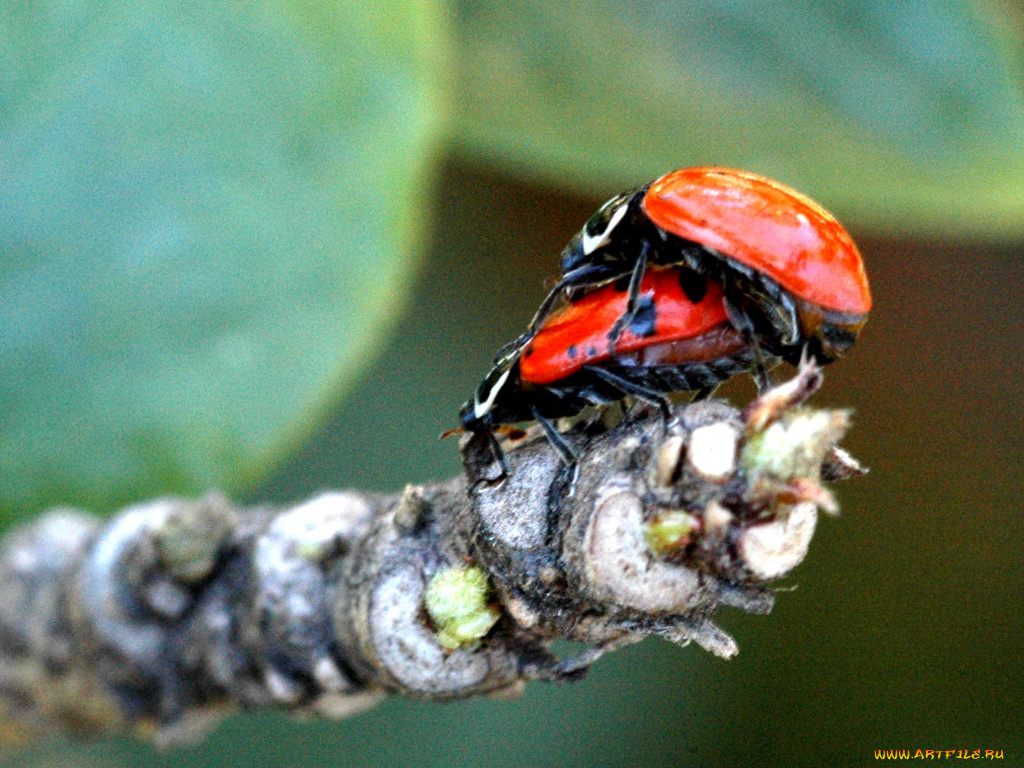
162	618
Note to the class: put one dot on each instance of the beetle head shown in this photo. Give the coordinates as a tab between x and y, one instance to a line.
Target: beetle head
829	334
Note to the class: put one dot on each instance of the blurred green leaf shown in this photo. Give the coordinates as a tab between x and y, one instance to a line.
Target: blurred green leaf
904	115
207	215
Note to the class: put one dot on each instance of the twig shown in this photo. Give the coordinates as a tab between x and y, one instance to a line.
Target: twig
162	618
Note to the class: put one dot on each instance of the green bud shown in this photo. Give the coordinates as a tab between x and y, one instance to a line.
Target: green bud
456	600
669	532
795	445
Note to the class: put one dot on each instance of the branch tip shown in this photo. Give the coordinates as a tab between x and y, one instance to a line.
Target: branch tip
159	618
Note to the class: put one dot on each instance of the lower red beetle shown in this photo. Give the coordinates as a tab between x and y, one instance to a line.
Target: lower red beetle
792	277
679	338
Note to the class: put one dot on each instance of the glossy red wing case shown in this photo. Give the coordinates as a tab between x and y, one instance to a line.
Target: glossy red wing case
576	334
767	226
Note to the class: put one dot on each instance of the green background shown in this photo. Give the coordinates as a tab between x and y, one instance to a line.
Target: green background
271	248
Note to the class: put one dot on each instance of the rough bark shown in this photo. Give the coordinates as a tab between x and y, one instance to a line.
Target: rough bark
165	616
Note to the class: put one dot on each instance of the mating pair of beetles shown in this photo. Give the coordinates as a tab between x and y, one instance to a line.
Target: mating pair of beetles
677	286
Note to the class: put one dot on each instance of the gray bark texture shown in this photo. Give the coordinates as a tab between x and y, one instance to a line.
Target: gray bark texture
162	618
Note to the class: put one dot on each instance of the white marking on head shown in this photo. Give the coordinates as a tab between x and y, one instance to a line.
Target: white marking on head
481	409
592	242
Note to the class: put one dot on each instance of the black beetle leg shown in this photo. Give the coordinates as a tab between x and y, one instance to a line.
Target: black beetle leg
742	323
632	298
545	306
565	451
479	454
703	393
517	343
627	387
499	454
580	276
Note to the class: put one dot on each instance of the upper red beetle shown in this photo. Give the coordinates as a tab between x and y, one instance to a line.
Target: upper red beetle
766	226
792	276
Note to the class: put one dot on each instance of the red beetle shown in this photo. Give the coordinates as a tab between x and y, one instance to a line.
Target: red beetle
679	338
792	276
756	272
681	324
